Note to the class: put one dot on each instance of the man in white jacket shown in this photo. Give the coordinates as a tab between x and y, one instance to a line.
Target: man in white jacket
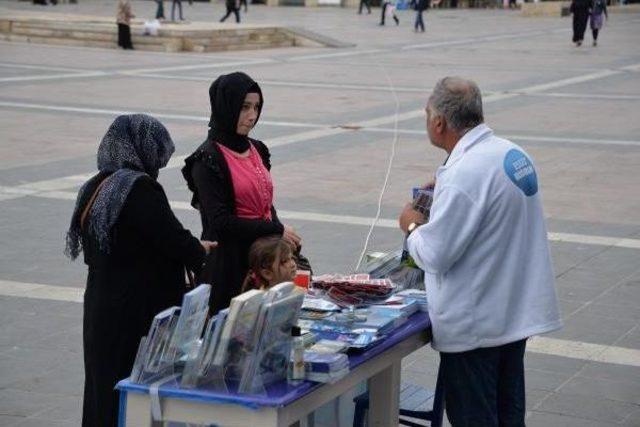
488	273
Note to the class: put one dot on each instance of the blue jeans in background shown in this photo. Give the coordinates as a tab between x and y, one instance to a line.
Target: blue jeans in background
419	21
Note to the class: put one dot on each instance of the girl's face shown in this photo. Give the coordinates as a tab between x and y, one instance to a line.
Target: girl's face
248	114
283	270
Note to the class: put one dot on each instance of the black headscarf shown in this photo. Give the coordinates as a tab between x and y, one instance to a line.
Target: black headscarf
227	94
135	145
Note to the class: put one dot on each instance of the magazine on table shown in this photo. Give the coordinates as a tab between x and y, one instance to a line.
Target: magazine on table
237	333
193	315
155	357
201	370
268	353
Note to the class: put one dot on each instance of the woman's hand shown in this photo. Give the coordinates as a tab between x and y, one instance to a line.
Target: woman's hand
208	246
291	237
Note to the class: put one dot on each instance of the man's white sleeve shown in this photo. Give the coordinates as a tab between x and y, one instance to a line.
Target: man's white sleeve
454	221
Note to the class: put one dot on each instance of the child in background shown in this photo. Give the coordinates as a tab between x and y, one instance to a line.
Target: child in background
271	261
123	17
598	15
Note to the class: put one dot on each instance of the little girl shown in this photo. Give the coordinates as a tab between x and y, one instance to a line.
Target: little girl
271	261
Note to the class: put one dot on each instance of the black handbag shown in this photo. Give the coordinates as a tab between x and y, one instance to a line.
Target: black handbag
302	261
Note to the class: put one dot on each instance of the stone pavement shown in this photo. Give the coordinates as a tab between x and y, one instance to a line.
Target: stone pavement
329	119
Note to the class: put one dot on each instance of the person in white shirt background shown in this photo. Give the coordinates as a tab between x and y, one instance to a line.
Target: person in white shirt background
488	272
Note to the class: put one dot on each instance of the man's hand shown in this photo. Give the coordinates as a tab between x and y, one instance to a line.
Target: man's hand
430	185
208	246
408	216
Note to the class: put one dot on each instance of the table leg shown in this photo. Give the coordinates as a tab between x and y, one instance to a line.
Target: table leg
308	421
336	412
384	397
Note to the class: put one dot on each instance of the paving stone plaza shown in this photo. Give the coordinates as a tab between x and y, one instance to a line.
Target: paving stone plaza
330	118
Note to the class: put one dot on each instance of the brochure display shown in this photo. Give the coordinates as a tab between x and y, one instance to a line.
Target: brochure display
348	329
244	348
268	358
173	337
284	403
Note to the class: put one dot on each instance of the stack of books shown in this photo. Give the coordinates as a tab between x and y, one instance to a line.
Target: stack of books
325	367
418	295
404	305
382	320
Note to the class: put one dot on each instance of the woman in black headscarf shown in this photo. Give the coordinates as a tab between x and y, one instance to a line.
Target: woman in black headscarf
231	184
136	250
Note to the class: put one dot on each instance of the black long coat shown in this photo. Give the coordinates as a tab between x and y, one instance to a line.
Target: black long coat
142	275
581	9
209	178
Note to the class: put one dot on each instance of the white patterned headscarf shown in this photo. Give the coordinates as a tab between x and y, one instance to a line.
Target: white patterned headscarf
135	145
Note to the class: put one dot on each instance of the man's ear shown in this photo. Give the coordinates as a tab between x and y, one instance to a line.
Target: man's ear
440	125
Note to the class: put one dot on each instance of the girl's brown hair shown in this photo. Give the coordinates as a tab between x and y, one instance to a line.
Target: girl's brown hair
263	253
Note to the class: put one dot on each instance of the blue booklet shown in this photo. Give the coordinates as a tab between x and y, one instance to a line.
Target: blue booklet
325	362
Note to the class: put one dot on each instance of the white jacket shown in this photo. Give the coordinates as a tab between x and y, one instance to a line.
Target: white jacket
485	253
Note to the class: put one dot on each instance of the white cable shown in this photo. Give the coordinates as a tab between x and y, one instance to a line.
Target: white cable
386	178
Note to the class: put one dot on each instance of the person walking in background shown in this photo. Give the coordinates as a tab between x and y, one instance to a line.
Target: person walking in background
420	6
136	252
598	15
160	9
232	7
246	8
364	3
175	3
581	9
390	7
124	17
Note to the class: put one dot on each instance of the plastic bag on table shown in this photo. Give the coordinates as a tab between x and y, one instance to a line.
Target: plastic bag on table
402	273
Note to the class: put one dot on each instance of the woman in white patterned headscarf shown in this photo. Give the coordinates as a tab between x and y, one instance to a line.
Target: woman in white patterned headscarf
136	251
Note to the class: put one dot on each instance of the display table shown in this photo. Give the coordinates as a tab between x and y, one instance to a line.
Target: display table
285	404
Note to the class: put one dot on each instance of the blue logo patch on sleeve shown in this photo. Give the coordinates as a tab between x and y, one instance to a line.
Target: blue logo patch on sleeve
520	171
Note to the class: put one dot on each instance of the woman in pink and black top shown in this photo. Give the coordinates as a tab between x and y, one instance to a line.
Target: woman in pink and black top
232	187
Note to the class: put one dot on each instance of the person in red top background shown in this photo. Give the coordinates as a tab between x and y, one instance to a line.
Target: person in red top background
229	175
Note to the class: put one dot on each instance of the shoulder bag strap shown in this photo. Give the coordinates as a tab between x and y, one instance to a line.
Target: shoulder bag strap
87	208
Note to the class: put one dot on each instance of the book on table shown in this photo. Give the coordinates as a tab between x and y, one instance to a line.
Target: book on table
193	315
269	351
200	369
155	357
237	333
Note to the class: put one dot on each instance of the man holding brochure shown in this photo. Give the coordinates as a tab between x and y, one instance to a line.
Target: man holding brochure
488	272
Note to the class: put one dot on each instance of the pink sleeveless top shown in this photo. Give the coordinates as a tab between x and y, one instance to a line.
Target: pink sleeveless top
252	184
